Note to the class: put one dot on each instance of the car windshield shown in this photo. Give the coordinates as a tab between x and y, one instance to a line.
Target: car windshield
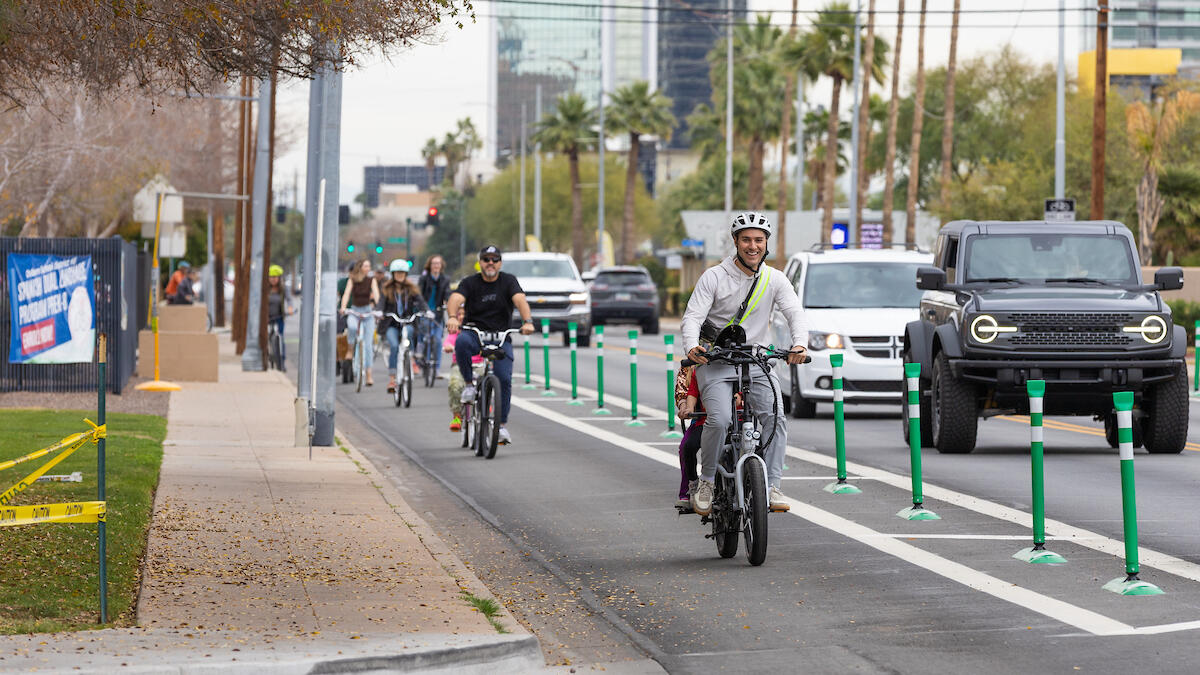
1057	257
525	269
622	278
861	285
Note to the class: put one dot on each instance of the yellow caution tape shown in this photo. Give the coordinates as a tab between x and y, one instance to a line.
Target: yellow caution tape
68	445
67	512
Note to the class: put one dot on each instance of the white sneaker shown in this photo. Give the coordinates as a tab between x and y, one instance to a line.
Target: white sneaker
503	436
777	501
468	394
703	496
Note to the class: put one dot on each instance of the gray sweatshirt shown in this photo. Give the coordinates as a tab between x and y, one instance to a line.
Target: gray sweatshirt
720	291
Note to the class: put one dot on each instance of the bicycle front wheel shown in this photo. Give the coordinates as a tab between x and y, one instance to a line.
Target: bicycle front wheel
360	364
404	387
430	366
467	420
724	520
754	512
490	419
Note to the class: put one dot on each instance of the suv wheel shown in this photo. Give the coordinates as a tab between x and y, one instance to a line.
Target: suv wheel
650	326
926	417
1166	425
954	412
802	408
1110	430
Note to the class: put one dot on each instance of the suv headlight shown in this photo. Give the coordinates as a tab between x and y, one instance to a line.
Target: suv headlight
818	341
984	328
1153	329
578	298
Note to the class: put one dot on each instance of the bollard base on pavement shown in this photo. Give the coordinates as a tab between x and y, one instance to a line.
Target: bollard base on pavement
635	423
1035	555
842	488
1132	586
601	411
670	433
917	513
549	392
158	385
529	386
574	401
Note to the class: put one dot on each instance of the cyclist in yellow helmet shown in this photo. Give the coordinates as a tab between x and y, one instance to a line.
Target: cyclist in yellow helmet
279	301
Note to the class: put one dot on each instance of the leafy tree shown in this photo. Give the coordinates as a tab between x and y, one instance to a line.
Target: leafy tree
636	110
1179	228
889	161
948	114
1151	129
918	124
570	129
429	153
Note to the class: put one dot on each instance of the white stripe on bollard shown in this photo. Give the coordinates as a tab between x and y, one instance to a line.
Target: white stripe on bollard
1036	434
1125	421
914	411
1036	405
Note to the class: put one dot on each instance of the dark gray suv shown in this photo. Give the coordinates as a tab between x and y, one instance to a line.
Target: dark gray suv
1062	302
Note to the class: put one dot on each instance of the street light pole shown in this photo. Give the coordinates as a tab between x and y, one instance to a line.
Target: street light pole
537	172
521	242
252	357
852	221
728	112
1060	124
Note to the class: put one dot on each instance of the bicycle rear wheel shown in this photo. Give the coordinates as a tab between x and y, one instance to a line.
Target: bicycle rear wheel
754	512
429	368
467	418
490	420
724	520
404	387
360	363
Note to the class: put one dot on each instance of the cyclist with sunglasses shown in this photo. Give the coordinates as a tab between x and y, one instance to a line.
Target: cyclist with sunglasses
488	298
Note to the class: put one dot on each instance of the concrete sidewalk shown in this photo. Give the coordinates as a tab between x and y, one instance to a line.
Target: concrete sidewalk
260	560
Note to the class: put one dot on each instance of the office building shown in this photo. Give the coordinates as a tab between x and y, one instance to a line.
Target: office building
374	176
1153	24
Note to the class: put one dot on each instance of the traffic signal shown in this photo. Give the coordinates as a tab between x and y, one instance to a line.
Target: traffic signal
431	218
379	247
349	247
281	214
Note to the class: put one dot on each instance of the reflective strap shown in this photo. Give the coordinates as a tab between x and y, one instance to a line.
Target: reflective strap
913	383
1125	433
1035	405
838	394
1035	434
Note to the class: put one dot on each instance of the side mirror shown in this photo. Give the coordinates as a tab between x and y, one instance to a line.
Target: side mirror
931	278
1169	279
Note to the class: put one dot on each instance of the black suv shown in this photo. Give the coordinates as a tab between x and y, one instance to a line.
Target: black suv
1060	302
625	294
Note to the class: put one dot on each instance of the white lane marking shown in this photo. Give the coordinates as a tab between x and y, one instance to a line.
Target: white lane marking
1083	619
1086	538
981	537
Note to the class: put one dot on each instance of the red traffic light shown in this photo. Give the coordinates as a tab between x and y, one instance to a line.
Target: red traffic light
433	211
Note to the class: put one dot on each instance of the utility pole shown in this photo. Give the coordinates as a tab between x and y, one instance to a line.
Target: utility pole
1060	116
600	258
252	355
239	221
269	220
1099	108
310	267
852	183
537	172
524	122
728	112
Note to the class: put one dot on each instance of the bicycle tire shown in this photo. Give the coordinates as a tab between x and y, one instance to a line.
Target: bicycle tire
466	425
276	350
491	404
360	364
725	530
754	512
430	366
476	425
404	387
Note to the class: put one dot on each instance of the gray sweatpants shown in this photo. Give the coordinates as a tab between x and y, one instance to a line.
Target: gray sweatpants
716	382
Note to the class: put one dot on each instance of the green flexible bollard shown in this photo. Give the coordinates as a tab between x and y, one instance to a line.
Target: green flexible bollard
1037	553
572	329
840	487
633	416
912	378
600	409
546	355
528	378
1130	584
669	342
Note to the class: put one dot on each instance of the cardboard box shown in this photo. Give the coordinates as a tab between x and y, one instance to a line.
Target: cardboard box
183	357
182	318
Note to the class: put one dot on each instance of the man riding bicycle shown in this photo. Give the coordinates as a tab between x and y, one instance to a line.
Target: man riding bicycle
742	291
489	298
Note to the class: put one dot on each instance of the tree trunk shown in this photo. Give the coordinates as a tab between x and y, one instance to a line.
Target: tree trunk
831	148
789	91
631	176
270	219
889	160
914	148
864	118
1149	210
755	177
576	209
948	124
240	250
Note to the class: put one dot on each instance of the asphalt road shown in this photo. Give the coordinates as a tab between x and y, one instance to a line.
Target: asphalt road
847	585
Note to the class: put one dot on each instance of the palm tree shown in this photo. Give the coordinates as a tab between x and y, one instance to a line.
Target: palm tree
831	45
704	131
454	152
874	61
948	124
635	110
757	79
429	153
469	139
570	129
889	160
1151	128
914	148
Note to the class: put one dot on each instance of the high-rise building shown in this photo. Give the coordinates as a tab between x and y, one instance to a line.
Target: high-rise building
687	32
374	176
1151	24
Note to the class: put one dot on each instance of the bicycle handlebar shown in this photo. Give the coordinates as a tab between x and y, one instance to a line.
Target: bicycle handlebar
504	335
743	355
419	315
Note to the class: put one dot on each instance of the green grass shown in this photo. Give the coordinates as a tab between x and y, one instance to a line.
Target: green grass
49	579
488	607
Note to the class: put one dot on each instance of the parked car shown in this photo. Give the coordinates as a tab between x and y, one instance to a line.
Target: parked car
625	294
1060	302
555	291
856	303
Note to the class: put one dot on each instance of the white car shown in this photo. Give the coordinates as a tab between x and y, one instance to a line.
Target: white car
856	303
555	292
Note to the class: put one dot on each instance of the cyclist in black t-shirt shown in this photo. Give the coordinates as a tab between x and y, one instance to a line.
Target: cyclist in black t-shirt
488	298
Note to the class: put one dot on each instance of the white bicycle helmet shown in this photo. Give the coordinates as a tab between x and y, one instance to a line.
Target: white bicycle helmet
749	220
399	265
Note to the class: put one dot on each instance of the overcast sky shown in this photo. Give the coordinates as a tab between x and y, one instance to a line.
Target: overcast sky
391	106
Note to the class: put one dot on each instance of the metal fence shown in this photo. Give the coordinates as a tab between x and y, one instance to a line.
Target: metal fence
115	266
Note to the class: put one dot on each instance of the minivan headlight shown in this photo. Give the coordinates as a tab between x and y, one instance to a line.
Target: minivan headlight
1153	329
985	328
818	341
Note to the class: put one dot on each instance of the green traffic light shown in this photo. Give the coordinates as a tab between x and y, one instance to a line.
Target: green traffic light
349	248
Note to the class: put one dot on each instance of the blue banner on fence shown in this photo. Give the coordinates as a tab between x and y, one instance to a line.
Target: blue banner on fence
53	303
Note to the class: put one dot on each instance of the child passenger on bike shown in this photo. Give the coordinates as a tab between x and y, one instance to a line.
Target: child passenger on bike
400	297
457	384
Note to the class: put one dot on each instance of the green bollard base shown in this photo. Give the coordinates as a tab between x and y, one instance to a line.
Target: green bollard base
840	488
549	392
635	423
1131	585
574	401
670	433
529	385
917	513
601	411
1039	555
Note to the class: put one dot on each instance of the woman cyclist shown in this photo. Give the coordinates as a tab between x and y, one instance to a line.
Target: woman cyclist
400	297
435	288
361	295
279	304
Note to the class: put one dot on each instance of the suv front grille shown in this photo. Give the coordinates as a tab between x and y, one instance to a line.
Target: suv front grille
1071	329
877	346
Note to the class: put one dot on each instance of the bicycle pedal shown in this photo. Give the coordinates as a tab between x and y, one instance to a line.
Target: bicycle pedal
780	509
684	510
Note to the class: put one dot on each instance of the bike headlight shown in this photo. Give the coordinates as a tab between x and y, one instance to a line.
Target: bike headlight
985	328
1153	329
818	341
578	298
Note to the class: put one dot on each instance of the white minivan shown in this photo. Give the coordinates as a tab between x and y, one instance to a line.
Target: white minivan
856	303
